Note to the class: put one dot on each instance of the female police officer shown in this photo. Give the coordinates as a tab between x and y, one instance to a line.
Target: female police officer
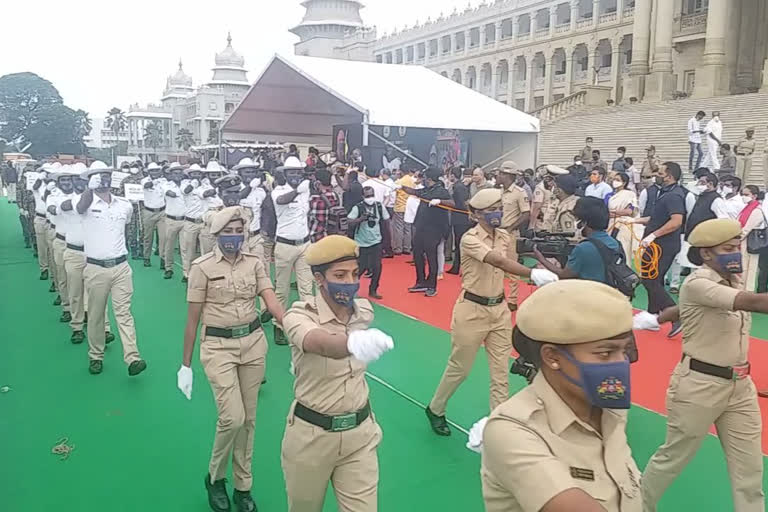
222	289
331	434
560	444
711	384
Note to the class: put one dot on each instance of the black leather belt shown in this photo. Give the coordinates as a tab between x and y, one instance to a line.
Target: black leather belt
484	301
74	247
292	242
724	372
234	332
154	210
173	217
106	263
338	423
53	226
194	221
60	237
42	215
255	233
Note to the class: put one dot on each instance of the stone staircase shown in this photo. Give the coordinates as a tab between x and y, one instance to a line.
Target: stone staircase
661	124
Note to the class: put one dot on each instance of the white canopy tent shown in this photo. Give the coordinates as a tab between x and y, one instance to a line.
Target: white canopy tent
299	100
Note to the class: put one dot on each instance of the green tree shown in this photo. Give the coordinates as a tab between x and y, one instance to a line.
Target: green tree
184	139
33	116
83	127
116	122
153	136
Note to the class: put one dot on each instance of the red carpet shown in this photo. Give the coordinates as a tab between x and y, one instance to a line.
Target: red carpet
650	375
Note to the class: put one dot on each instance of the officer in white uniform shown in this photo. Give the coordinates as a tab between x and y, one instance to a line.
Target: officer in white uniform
153	212
41	221
175	209
195	196
64	191
254	198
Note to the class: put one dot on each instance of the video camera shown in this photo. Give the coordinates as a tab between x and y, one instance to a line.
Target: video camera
551	245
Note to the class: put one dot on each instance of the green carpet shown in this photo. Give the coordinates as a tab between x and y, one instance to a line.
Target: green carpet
140	445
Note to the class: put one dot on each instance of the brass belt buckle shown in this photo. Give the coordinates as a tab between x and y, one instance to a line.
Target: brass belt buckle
241	331
344	422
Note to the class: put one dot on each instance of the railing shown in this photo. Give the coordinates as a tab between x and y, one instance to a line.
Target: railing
625	69
584	23
538	83
692	23
565	27
542	33
523	37
521	86
580	76
629	12
608	18
604	75
559	79
561	108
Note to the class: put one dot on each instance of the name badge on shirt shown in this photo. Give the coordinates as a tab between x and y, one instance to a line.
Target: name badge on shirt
583	474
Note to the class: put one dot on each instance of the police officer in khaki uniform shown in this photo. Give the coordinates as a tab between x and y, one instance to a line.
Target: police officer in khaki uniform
744	151
222	289
544	207
565	191
712	384
650	168
331	435
517	208
479	314
560	444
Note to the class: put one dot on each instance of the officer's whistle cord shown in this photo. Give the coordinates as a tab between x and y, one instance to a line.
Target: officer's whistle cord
63	449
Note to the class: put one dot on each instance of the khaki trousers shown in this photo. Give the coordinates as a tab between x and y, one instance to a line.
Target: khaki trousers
41	235
694	402
100	283
151	221
311	457
290	258
514	282
743	168
471	325
74	264
59	246
172	230
50	236
207	240
188	239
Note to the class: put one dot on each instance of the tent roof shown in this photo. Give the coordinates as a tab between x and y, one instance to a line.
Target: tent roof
308	95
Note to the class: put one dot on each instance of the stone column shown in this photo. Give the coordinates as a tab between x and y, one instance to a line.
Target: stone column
529	89
481	38
515	28
549	71
534	24
467	40
764	88
552	20
641	47
747	47
511	84
453	43
596	11
616	67
499	26
494	78
569	71
620	10
712	76
574	14
662	83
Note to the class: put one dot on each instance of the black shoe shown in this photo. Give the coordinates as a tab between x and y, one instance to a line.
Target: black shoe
438	423
77	337
108	337
52	288
184	280
168	274
57	301
162	264
453	271
217	495
147	263
374	295
157	252
65	317
43	274
95	367
677	327
243	501
85	318
27	245
265	317
419	288
432	292
136	367
280	338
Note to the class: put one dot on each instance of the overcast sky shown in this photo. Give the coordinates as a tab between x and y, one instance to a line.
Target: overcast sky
100	55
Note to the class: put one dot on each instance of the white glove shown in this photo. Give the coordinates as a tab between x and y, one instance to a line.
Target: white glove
648	240
50	186
475	441
303	187
94	182
434	202
398	186
184	381
195	183
645	321
369	345
542	276
255	183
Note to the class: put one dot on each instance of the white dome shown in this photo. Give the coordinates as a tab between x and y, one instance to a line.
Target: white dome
180	78
229	57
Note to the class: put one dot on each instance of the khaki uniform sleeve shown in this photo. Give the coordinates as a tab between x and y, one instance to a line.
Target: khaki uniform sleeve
472	247
198	284
538	195
297	323
524	203
523	465
710	294
262	278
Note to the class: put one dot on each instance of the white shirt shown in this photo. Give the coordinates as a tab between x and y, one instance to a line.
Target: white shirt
411	207
693	128
598	190
254	201
194	203
39	203
61	222
389	201
731	207
392	165
715	128
381	191
292	221
209	203
51	201
104	227
720	208
74	222
174	206
154	197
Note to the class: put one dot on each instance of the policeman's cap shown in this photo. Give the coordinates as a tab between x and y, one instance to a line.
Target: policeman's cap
228	181
246	163
97	167
153	167
193	168
175	166
224	217
552	313
712	233
332	249
510	167
555	170
485	198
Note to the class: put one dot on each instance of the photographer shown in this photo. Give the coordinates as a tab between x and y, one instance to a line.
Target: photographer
585	262
365	219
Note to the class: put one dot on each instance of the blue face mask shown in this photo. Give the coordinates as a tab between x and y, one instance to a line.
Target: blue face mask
605	384
730	262
343	293
230	244
493	218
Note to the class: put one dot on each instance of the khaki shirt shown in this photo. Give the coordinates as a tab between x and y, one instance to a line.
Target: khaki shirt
746	147
548	210
328	386
650	167
478	277
565	220
712	331
227	291
534	448
515	203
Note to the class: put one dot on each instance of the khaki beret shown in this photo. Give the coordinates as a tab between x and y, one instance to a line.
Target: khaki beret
331	249
711	233
485	198
573	311
510	167
224	217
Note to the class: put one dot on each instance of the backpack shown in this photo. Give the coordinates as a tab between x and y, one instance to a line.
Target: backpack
617	273
336	222
361	208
